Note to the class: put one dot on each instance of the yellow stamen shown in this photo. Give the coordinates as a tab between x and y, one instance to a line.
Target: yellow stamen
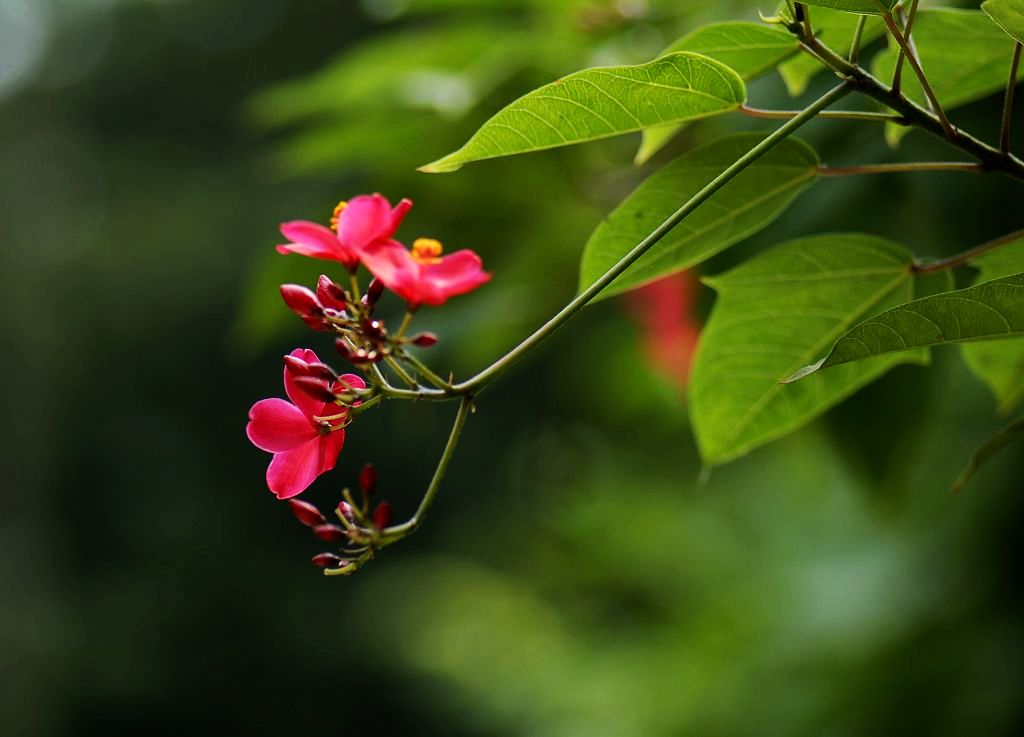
427	250
336	215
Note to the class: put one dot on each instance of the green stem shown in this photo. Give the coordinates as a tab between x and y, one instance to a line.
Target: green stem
916	66
1011	84
911	166
858	34
991	158
396	533
406	320
970	254
897	73
423	370
754	112
779	135
401	372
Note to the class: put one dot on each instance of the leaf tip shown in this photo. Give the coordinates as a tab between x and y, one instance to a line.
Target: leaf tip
441	166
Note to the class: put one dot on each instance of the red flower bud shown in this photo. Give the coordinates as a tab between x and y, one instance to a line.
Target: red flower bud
329	560
382	515
296	366
346	512
301	301
368	480
358	357
373	293
424	340
306	513
322	371
329	533
330	294
314	387
373	328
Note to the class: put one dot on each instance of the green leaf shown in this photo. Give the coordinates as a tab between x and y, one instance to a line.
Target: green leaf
994	309
602	102
773	314
836	29
984	454
1009	14
1000	363
964	54
861	7
742	207
749	49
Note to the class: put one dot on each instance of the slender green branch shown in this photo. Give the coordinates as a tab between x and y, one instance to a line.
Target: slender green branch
911	166
401	372
1011	84
963	258
755	112
780	134
912	59
907	28
991	158
858	34
406	321
397	532
423	370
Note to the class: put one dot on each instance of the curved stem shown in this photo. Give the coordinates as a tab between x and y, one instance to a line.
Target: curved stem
897	74
961	259
780	134
401	372
858	34
916	66
755	112
423	370
394	534
911	166
406	320
991	158
1011	84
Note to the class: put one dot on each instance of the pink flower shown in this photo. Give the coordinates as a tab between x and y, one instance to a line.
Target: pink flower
423	276
305	435
356	224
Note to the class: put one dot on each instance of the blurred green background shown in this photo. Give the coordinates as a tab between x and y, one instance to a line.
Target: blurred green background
573	580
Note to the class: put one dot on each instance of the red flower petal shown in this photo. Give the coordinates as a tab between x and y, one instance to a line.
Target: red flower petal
365	219
310	407
276	425
290	473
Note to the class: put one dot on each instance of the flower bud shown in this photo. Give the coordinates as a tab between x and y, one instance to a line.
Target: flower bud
306	513
346	512
330	533
296	366
368	480
382	515
373	328
322	371
424	340
357	357
314	387
301	301
329	560
330	294
373	293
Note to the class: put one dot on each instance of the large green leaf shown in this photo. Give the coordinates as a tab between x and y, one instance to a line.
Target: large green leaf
1009	14
742	207
773	314
1000	363
861	7
988	450
991	310
834	28
749	49
964	54
602	102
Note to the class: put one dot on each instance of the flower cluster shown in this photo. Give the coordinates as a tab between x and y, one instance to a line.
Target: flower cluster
361	531
306	432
